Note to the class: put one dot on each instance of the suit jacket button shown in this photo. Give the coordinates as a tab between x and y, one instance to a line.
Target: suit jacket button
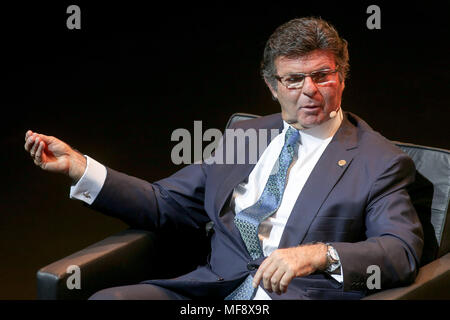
219	279
251	266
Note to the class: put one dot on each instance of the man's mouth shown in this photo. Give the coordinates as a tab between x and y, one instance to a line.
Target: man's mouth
309	107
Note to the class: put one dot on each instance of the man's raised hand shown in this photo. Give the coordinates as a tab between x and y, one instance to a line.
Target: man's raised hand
54	155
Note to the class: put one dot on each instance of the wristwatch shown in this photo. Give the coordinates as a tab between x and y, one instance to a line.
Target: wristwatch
333	261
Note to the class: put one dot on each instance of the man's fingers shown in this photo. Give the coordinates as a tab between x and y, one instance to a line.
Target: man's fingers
27	134
267	276
46	139
35	146
32	135
33	140
275	280
285	280
38	156
259	273
29	142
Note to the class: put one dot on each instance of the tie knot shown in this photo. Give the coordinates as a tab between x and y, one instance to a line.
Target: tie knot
292	136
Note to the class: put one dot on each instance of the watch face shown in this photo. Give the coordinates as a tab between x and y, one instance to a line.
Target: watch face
333	254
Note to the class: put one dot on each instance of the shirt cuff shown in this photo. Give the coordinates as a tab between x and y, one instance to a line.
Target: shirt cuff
338	277
90	184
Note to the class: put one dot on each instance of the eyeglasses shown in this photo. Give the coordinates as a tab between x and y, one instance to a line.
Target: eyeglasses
297	80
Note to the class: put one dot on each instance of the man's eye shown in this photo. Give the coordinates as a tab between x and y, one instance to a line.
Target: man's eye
294	79
320	76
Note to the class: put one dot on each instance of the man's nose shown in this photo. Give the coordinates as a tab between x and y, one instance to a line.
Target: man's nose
309	87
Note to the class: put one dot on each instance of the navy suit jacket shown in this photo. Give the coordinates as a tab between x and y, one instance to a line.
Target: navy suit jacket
361	208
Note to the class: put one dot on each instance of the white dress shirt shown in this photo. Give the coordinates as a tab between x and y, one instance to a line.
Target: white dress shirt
312	144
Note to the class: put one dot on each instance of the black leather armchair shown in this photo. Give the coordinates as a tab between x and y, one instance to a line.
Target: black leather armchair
134	255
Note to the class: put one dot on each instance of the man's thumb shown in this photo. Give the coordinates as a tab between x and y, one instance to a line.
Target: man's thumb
46	139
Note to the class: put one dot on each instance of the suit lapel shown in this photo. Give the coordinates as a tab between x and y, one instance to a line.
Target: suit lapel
321	181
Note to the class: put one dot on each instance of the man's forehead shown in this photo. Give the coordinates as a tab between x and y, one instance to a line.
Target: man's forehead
314	60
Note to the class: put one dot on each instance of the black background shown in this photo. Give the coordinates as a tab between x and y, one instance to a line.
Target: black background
118	88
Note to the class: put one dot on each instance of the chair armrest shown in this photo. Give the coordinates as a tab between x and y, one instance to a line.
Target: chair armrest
432	282
124	258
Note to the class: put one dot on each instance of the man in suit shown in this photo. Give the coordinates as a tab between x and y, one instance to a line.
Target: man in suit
325	202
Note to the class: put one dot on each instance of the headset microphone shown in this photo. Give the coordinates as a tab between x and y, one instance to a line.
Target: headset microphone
334	113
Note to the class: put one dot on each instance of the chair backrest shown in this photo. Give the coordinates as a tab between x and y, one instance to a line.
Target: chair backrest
430	193
235	117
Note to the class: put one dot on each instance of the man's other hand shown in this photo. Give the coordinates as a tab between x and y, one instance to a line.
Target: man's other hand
54	155
278	269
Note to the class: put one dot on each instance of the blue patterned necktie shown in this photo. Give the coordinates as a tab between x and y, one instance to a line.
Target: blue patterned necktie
248	220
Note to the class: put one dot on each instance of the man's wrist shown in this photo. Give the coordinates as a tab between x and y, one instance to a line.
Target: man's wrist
324	261
78	165
320	255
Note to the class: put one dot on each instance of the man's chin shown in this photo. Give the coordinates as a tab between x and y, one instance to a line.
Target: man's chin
311	121
300	125
307	122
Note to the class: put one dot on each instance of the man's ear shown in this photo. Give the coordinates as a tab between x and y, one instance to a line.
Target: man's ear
272	90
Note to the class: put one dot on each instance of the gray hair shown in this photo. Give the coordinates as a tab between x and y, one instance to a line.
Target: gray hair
299	37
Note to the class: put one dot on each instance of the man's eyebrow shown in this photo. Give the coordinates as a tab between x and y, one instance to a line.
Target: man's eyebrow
326	67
